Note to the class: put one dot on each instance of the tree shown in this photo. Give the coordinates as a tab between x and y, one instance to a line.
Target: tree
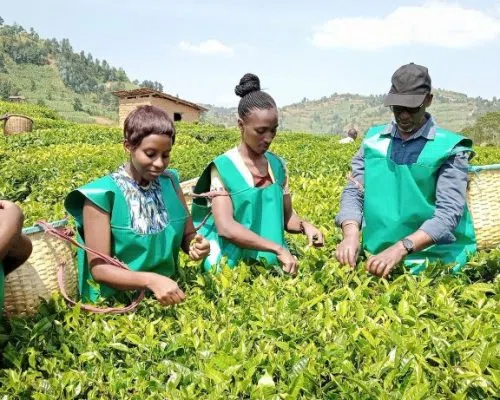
7	89
152	85
77	105
1	21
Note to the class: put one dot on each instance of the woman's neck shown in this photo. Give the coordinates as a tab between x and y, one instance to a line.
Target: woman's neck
248	154
132	172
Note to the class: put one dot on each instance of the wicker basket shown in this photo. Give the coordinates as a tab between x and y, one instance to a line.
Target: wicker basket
483	198
16	123
187	189
36	279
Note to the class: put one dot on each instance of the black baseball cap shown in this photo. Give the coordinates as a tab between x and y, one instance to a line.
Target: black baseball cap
410	84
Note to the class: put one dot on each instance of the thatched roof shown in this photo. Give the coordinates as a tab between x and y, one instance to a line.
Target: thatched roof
155	93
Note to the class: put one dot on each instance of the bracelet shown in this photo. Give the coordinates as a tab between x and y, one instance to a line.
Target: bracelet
301	227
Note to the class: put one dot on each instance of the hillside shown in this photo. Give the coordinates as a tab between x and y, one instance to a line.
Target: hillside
339	112
49	72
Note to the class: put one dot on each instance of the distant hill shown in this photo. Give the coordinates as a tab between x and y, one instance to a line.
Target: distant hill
339	112
48	72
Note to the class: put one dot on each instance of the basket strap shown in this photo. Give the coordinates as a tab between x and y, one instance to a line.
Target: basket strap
65	236
207	195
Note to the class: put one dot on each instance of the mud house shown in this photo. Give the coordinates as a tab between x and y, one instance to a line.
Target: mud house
179	109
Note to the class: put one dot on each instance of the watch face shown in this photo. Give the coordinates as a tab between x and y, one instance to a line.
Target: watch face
408	244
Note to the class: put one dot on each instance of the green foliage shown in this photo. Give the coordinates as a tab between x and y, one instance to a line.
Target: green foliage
152	85
21	46
7	88
77	105
248	333
486	130
49	71
32	110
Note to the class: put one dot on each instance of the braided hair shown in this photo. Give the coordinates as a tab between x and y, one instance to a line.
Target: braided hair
251	96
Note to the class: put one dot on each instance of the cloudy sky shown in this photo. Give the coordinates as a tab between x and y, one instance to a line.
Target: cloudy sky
299	49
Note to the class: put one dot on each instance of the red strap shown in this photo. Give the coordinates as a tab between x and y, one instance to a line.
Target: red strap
65	235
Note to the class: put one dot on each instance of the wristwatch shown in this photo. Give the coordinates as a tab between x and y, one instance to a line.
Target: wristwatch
408	245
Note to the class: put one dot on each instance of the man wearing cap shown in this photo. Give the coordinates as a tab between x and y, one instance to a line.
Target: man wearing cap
406	193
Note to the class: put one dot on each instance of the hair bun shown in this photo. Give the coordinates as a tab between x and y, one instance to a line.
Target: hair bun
248	83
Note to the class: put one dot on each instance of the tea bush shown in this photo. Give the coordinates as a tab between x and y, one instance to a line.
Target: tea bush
328	333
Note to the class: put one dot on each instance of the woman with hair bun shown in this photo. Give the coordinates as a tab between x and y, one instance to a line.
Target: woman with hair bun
250	207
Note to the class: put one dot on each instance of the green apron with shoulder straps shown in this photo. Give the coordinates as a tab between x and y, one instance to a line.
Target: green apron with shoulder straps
157	252
399	198
260	210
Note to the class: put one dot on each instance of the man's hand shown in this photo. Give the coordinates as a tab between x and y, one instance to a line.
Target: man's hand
347	251
382	264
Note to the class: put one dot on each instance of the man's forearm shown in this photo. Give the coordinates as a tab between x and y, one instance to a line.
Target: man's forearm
420	239
451	189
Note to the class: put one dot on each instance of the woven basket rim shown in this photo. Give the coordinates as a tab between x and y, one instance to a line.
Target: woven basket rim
479	168
37	228
7	116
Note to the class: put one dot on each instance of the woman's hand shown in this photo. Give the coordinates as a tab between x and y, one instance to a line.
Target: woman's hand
199	248
313	234
166	291
288	262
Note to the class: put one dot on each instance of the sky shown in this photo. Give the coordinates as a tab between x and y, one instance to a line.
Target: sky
199	50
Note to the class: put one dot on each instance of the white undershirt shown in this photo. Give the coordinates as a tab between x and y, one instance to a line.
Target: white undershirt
235	156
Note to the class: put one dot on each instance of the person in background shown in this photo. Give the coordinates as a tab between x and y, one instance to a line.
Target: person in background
407	190
352	135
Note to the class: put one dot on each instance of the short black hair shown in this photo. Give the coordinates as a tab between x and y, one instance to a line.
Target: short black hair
251	96
145	121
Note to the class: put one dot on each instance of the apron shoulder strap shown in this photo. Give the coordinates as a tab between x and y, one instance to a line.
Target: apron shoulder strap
101	192
374	143
232	178
278	167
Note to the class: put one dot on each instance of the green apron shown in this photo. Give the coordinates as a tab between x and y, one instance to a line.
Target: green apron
260	210
156	252
399	198
1	290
